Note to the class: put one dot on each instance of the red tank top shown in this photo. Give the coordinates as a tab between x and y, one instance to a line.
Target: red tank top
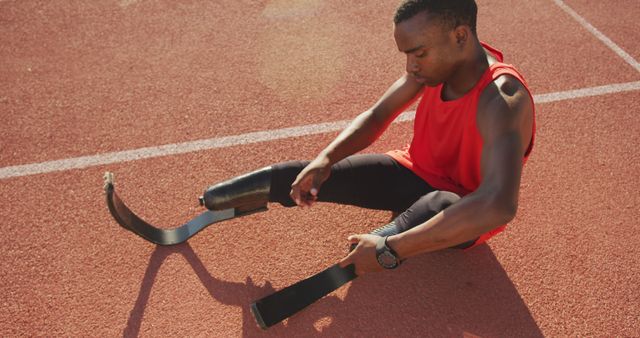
447	146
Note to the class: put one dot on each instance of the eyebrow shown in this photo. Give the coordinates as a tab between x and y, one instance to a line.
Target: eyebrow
412	49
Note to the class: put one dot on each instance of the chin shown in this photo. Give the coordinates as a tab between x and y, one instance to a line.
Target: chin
430	83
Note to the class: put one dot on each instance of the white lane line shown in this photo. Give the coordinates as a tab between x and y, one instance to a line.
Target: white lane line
256	137
586	92
612	45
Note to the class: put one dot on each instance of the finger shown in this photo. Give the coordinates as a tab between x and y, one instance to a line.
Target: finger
303	196
295	195
346	260
304	200
299	201
317	182
311	197
349	261
354	238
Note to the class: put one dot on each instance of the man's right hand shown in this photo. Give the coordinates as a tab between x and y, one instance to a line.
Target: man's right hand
363	131
304	190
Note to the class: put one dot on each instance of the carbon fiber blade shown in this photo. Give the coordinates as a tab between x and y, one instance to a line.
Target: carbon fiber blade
282	304
132	222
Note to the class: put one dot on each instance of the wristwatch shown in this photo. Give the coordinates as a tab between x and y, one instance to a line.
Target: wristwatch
387	258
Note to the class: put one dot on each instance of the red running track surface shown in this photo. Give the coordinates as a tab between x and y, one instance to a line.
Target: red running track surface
95	77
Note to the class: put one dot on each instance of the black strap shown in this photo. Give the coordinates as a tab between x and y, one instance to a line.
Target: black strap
280	305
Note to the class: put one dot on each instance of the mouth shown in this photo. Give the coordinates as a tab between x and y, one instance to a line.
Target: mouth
419	79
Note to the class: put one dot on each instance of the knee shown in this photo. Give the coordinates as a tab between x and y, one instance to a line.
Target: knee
424	208
286	171
439	200
282	176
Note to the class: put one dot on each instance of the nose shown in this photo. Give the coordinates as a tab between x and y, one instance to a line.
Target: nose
412	65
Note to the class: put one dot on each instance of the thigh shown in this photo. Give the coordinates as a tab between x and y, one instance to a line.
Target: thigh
374	181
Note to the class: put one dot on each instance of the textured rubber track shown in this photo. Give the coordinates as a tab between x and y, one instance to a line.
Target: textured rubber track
130	221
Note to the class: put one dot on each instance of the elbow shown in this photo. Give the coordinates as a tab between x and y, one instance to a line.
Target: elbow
501	210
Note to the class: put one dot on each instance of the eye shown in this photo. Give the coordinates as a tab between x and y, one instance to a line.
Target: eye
421	54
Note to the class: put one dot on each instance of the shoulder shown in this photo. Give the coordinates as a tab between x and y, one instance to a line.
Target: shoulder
504	103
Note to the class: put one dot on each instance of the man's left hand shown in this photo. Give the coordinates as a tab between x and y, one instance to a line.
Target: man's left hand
364	255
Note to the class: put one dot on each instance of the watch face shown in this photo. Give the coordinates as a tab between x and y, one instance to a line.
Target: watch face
387	260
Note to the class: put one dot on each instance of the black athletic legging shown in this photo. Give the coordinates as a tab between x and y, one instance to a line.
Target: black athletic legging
373	181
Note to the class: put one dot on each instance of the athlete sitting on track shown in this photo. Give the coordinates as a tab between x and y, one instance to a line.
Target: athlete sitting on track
473	131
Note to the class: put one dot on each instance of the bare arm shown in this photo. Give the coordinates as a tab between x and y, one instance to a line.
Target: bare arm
505	117
369	125
363	131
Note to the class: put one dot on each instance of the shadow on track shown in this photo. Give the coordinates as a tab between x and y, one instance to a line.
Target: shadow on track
449	293
229	293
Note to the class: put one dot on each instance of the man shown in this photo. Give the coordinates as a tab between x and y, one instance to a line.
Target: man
457	183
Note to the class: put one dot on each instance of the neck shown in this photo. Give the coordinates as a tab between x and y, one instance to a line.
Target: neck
467	74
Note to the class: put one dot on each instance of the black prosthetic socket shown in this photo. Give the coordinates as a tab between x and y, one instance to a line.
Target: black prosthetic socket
243	193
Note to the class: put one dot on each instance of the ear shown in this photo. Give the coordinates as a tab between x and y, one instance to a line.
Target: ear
461	34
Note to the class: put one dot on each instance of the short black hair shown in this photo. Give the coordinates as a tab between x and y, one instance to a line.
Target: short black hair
452	12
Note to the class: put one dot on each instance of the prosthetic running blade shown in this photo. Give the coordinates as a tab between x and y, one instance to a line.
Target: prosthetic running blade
130	221
278	306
